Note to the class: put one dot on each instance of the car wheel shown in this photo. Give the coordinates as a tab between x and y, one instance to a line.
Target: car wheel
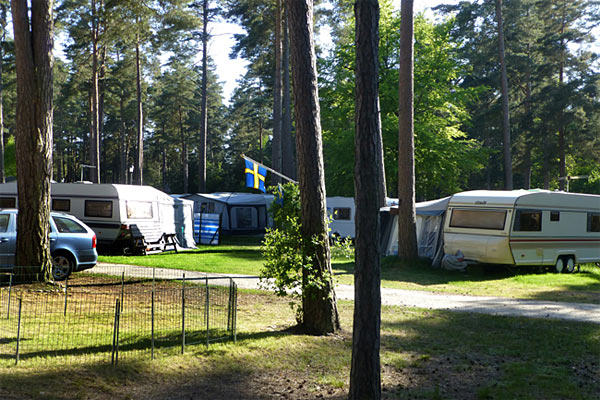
570	265
560	265
62	266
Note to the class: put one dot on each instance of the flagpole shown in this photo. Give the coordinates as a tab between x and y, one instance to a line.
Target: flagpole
245	157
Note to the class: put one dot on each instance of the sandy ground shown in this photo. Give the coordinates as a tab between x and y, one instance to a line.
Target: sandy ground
398	297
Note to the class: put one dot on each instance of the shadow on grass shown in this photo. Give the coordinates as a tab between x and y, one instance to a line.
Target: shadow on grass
425	354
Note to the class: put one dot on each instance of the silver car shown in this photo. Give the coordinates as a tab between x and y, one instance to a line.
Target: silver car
72	243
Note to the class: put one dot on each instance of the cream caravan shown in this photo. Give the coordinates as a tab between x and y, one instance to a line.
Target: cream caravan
524	227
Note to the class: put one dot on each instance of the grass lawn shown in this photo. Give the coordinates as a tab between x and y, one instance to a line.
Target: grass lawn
425	354
243	256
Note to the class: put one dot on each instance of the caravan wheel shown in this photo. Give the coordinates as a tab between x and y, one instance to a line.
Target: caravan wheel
560	265
570	265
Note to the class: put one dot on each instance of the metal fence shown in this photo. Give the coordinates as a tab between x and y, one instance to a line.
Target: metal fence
119	313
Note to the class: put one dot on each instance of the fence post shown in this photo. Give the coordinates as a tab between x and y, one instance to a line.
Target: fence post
66	295
9	295
235	292
183	315
207	312
229	308
122	288
115	345
152	319
18	332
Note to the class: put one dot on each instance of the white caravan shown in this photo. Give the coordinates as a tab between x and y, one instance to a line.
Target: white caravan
124	217
522	227
341	211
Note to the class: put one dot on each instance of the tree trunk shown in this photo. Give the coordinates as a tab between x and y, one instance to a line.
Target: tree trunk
122	158
287	144
508	178
276	144
365	373
319	308
562	149
407	225
138	177
2	38
203	111
94	173
184	155
34	61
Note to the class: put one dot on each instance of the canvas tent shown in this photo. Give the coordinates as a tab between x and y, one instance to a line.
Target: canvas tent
430	218
241	213
184	222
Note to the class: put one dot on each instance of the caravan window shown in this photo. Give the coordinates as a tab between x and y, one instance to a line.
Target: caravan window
528	221
593	222
98	208
61	205
341	213
478	219
139	209
244	217
8	202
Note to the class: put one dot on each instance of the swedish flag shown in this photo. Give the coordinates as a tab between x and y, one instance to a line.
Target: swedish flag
255	175
279	195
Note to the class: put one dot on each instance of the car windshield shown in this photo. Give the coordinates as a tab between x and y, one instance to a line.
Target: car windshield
67	225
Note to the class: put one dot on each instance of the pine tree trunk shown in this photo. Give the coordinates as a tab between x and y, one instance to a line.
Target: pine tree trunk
34	60
2	38
319	308
203	111
287	141
407	225
365	373
508	178
122	157
138	177
276	144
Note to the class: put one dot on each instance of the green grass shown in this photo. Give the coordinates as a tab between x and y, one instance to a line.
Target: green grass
225	259
486	280
243	256
424	354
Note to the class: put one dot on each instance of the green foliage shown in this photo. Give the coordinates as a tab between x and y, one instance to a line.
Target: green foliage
288	255
283	247
10	159
445	157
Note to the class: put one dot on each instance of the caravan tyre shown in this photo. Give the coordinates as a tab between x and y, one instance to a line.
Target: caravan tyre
560	265
570	265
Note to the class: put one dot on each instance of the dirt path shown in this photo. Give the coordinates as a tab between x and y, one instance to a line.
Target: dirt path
408	298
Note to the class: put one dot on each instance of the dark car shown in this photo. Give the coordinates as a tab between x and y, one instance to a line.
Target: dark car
72	243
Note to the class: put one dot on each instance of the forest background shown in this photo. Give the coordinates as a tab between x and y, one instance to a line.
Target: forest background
553	75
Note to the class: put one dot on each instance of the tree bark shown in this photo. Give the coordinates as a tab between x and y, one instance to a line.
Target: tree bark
94	173
407	225
2	38
319	308
276	144
204	94
138	177
34	61
508	178
287	144
365	373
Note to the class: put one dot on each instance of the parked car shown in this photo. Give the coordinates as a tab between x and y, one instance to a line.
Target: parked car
72	243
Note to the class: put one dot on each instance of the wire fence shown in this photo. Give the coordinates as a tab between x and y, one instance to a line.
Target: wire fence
119	313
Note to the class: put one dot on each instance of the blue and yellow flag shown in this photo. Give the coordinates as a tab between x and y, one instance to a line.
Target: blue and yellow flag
279	195
255	175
